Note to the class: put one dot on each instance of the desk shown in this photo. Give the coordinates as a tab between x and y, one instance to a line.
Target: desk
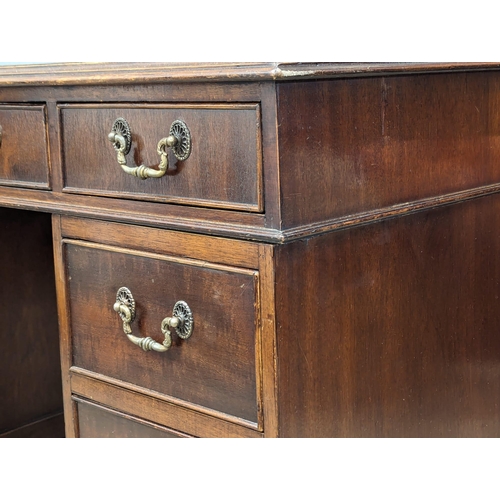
250	250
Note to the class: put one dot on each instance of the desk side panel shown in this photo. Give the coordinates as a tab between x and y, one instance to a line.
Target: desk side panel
392	329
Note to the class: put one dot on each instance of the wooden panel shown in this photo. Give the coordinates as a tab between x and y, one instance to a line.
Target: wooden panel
132	73
272	188
23	147
351	146
154	407
30	374
268	340
392	329
223	170
98	422
140	93
218	250
48	427
65	341
245	225
214	368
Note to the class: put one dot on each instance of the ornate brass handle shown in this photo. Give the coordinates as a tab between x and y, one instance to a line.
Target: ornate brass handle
179	139
181	321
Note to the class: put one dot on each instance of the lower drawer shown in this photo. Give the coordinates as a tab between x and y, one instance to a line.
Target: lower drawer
95	421
207	384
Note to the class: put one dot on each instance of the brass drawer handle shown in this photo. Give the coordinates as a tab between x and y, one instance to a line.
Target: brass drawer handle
179	139
181	321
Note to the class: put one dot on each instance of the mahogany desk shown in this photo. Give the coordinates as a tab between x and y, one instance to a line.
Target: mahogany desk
250	250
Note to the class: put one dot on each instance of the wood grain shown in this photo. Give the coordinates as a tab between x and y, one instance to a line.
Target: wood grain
214	368
340	255
132	73
148	93
47	427
65	341
224	168
354	145
96	421
267	351
180	244
23	147
192	219
391	329
272	189
119	396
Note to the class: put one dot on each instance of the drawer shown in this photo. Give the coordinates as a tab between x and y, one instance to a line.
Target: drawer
223	167
95	421
23	146
213	371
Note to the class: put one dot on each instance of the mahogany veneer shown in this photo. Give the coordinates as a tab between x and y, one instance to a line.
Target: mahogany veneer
225	165
334	232
30	373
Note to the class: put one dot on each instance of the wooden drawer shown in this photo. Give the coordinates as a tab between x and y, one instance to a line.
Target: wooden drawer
224	168
23	146
95	421
214	370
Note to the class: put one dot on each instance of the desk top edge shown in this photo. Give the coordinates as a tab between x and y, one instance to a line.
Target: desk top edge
156	72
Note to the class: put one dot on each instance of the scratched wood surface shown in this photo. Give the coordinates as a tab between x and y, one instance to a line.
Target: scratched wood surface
365	302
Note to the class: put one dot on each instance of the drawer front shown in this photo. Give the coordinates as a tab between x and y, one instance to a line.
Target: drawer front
95	421
213	369
223	169
23	146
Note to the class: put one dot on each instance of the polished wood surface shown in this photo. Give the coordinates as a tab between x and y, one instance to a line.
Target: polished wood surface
193	219
399	327
352	146
219	357
337	246
155	407
224	168
65	339
23	147
30	374
218	250
47	427
221	220
96	421
178	244
332	161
